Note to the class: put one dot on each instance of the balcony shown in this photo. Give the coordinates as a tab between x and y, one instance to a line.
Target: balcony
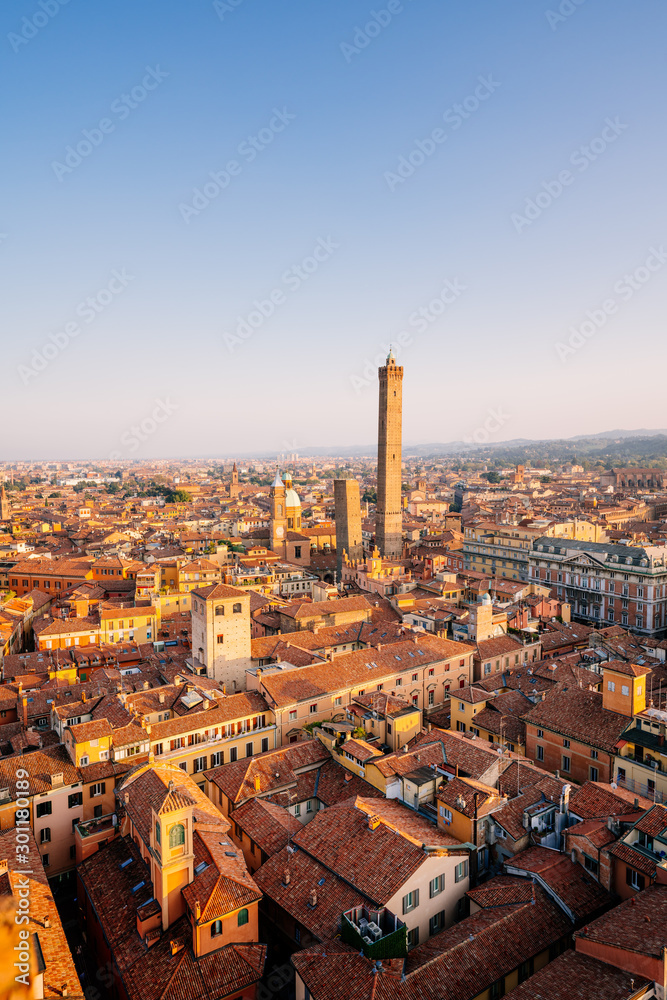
101	824
640	788
218	742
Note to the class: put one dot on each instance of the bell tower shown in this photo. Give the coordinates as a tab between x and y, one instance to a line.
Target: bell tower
278	524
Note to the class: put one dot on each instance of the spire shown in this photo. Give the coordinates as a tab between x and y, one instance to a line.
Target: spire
277	482
391	358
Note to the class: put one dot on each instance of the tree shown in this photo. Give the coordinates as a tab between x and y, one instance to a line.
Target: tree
54	496
369	496
79	487
492	477
113	488
178	496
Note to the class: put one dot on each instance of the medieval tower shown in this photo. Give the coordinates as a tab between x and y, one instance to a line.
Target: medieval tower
388	519
348	522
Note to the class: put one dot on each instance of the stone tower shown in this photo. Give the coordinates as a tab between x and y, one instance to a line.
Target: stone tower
348	522
278	524
5	506
389	521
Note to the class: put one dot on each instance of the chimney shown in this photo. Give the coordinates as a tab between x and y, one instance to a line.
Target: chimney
24	708
83	696
197	911
313	897
286	877
46	922
63	989
160	698
258	782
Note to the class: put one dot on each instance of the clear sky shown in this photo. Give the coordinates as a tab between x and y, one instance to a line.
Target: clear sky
465	178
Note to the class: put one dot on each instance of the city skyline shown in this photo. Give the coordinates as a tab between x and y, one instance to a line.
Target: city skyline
480	188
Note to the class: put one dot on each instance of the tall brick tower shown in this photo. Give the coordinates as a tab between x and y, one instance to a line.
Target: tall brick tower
389	520
348	522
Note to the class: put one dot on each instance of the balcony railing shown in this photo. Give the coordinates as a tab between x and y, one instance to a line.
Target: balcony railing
99	824
639	788
212	742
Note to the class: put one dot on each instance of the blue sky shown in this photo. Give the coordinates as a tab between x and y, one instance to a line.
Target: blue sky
316	104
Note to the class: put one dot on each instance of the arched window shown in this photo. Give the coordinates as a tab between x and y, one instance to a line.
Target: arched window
243	917
177	836
220	610
216	928
237	609
279	510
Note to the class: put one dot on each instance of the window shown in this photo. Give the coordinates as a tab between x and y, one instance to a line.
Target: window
634	879
625	690
431	697
594	754
217	759
593	773
76	799
411	901
216	928
219	610
97	789
158	833
399	681
591	865
97	812
313	709
265	744
236	609
43	809
292	715
45	835
84	761
436	923
297	809
436	886
297	934
338	702
177	836
413	937
445	814
220	639
540	734
611	686
200	764
525	970
242	918
431	672
233	755
309	806
45	860
297	551
566	744
566	763
248	749
462	707
461	871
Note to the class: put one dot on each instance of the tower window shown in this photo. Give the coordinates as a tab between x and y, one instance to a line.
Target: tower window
177	836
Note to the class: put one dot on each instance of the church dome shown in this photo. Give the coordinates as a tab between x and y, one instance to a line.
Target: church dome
292	498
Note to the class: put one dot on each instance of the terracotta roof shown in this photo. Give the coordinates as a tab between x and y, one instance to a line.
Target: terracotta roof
574	976
576	890
275	768
376	861
637	925
598	800
59	966
267	824
460	962
579	715
334	895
